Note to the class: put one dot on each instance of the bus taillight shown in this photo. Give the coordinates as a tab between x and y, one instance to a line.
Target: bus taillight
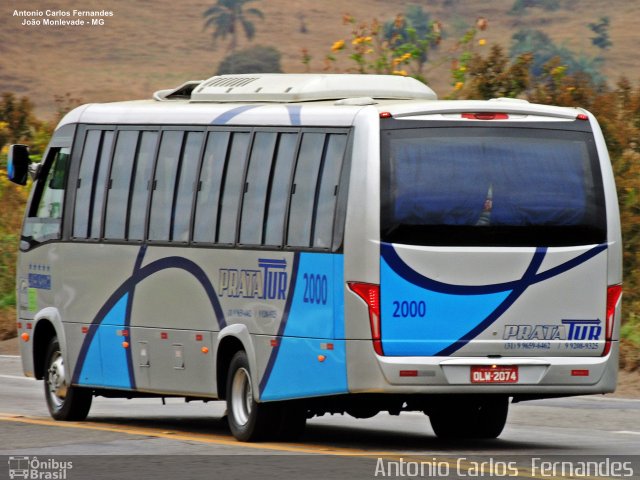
614	292
370	293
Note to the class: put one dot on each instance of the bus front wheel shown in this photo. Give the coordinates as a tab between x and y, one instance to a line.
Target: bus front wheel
65	402
248	420
477	417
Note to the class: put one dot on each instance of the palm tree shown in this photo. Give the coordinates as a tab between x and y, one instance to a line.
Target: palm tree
227	16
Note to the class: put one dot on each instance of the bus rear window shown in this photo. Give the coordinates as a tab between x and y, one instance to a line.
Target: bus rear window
491	187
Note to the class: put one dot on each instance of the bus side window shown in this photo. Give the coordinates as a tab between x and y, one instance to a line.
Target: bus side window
279	186
208	187
99	192
85	184
119	184
232	187
328	191
303	192
45	216
141	185
256	186
164	184
186	186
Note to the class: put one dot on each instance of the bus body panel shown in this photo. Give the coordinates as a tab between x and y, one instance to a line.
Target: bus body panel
432	305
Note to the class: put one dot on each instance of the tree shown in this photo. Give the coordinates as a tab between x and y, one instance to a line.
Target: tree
543	49
227	17
414	32
258	59
494	76
601	29
520	6
16	117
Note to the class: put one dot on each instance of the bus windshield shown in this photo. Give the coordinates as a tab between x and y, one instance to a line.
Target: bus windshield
506	186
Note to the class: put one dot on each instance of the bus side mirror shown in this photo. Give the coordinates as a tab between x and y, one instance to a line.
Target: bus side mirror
18	164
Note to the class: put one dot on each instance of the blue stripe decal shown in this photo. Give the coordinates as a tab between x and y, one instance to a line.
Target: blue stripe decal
283	323
527	278
474	307
294	113
302	364
127	318
229	115
124	293
409	274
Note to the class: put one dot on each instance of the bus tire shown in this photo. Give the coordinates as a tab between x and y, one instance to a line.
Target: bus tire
64	401
248	420
471	418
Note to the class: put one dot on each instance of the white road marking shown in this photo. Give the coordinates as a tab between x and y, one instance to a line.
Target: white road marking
627	432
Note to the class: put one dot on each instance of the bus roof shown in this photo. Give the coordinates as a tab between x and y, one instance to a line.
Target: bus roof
296	99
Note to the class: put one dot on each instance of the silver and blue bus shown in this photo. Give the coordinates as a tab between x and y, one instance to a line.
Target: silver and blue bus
306	244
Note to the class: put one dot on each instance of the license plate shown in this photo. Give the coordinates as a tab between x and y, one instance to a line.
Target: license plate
497	374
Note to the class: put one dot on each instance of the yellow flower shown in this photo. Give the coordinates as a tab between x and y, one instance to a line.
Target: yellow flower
369	50
339	45
459	85
400	72
463	68
406	56
482	42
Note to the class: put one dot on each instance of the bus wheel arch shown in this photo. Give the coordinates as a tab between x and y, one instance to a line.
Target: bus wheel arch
43	333
227	348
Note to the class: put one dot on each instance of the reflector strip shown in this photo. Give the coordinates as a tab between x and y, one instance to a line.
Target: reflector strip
579	373
408	373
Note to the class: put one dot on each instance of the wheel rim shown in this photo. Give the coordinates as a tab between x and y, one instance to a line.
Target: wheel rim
241	396
56	380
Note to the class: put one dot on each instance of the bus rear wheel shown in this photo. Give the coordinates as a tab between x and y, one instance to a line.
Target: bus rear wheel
65	402
249	420
478	417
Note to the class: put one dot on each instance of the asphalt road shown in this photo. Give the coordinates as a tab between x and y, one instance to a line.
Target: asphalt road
142	438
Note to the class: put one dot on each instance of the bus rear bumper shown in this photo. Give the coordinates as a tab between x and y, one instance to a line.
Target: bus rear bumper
538	376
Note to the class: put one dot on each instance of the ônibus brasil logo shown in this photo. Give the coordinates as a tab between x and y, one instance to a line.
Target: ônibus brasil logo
37	469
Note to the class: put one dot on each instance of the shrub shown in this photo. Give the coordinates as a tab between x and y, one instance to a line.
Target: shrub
260	59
